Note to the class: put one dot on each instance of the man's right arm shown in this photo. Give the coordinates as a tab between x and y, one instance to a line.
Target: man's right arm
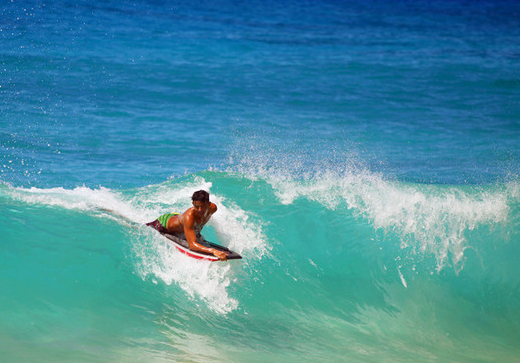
191	237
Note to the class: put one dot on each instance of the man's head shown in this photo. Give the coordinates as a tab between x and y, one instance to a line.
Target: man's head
200	196
200	202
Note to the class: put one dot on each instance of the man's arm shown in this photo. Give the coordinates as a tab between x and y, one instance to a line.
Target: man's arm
212	208
191	237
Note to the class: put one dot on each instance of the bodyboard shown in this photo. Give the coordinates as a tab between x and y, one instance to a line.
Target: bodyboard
180	242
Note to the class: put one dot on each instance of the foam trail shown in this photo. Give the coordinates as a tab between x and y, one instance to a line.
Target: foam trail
79	198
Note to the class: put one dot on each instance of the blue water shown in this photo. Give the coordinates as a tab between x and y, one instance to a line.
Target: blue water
364	156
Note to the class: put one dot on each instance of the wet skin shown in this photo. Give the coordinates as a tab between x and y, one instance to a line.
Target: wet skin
191	223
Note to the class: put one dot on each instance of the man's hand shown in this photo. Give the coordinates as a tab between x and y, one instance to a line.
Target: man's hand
222	256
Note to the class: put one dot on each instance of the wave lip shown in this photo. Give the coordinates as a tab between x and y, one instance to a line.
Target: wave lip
427	218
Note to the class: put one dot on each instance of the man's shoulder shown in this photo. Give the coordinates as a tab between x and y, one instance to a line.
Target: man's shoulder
189	212
189	217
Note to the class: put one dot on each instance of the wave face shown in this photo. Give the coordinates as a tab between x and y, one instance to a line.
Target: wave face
334	266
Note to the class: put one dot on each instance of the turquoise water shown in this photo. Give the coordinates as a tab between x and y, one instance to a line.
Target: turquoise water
364	159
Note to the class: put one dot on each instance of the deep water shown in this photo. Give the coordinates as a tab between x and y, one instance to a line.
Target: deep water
364	158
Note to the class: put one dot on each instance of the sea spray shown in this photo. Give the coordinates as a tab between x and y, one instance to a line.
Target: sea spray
428	218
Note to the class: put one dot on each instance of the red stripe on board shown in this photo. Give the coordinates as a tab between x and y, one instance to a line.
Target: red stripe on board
196	255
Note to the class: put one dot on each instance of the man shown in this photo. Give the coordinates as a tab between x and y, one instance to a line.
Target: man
190	223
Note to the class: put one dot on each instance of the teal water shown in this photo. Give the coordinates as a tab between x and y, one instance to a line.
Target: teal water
365	269
364	158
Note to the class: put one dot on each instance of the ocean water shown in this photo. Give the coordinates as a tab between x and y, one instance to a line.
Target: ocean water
364	157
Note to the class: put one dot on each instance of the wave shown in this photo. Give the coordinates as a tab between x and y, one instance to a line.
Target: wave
351	260
426	218
267	216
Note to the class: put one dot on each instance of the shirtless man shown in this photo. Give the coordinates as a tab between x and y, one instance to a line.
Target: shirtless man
190	223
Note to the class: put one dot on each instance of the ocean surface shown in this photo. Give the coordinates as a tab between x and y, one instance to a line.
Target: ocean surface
364	157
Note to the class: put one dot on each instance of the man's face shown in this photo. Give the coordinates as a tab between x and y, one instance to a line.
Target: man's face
200	207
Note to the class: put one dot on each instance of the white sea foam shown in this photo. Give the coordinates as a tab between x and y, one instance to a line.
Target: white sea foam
428	219
234	227
201	280
79	198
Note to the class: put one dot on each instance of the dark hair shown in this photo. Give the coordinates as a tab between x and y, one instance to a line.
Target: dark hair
201	196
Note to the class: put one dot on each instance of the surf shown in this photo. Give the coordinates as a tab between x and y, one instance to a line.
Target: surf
421	222
358	250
